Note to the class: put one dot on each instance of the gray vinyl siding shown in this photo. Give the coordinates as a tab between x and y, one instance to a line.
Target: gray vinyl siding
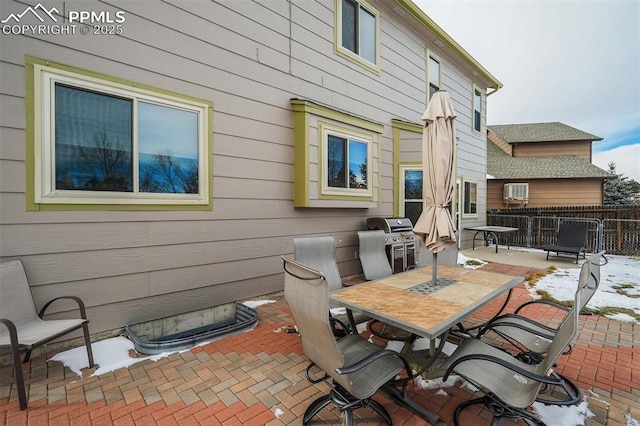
250	59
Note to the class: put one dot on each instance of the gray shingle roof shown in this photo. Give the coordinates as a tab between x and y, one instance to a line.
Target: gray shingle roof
502	166
541	132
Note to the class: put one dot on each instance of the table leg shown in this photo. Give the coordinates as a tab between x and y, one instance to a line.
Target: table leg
495	238
473	244
401	397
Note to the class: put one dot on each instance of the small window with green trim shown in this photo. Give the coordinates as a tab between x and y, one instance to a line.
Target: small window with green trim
346	157
103	142
358	26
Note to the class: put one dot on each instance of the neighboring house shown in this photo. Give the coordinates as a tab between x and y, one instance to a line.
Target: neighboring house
159	157
542	165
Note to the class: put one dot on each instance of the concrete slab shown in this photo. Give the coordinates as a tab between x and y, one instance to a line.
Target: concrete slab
520	256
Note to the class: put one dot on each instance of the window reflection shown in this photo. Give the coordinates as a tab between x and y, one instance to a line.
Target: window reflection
346	163
93	141
168	149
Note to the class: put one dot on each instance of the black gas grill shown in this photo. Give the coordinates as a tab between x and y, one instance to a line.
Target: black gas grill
400	241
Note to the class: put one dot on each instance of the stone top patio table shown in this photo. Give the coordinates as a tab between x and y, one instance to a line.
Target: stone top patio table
410	301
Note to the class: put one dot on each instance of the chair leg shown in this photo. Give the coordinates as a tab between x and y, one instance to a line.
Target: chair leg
464	405
348	418
498	410
382	412
315	408
87	342
17	371
571	391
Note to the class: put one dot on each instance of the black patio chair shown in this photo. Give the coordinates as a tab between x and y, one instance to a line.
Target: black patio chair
354	368
571	239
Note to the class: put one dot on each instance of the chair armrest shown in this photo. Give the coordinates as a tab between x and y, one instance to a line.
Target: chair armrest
503	363
13	331
372	358
504	321
83	312
544	302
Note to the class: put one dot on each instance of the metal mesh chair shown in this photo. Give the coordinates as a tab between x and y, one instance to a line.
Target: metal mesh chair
372	255
510	385
25	330
319	253
356	368
531	338
376	266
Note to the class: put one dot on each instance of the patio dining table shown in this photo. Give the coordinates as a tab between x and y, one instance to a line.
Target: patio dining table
490	233
410	301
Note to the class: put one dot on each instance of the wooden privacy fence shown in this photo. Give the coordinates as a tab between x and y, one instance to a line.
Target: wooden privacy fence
615	235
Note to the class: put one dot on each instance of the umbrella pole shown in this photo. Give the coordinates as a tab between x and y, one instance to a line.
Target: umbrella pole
434	269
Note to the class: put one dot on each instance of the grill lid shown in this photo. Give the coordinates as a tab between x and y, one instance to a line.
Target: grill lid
390	224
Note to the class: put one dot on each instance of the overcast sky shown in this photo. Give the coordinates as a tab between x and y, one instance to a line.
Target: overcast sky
573	61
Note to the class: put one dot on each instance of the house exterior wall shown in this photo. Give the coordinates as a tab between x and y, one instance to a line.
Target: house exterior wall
549	149
249	59
550	193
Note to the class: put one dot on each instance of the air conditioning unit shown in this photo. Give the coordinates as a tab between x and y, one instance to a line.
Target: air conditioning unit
516	191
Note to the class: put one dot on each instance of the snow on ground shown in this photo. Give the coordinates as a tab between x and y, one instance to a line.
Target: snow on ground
619	286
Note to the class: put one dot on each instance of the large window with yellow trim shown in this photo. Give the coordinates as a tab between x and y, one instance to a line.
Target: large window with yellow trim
357	30
103	142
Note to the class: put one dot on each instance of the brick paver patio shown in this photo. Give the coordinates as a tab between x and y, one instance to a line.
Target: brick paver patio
257	378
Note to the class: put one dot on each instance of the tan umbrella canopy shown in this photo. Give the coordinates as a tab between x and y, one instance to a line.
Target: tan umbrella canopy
434	226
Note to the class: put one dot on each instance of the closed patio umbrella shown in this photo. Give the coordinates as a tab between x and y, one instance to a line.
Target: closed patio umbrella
435	226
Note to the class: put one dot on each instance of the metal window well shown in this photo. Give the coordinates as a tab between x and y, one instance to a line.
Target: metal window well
183	331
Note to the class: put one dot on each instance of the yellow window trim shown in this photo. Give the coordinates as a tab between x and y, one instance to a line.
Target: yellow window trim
302	112
33	67
346	53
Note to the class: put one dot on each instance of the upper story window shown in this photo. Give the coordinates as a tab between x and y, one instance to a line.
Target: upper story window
346	157
470	198
358	27
102	142
433	73
477	109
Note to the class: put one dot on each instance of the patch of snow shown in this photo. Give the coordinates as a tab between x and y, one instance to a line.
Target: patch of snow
631	421
436	383
278	413
573	415
463	260
108	354
395	345
619	286
622	318
255	303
